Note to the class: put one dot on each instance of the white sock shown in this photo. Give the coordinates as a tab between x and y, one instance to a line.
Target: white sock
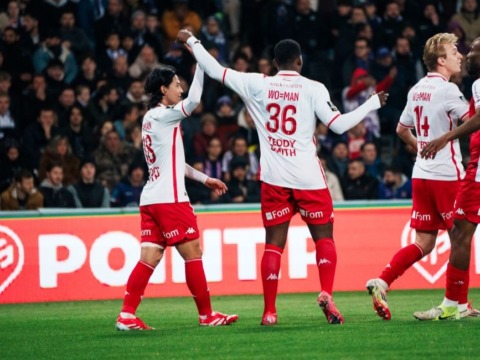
383	283
463	307
126	315
448	302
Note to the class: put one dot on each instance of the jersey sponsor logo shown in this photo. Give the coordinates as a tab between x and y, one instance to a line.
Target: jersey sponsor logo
170	234
447	216
147	125
331	106
145	232
277	213
421	217
310	214
11	257
190	230
285	147
460	211
284	95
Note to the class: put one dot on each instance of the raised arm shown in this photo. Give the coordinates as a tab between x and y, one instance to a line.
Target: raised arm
343	122
195	93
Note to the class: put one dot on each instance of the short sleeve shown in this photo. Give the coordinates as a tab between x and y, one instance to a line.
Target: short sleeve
455	103
406	119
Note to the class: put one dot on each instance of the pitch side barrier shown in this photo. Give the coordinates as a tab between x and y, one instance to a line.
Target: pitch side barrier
65	254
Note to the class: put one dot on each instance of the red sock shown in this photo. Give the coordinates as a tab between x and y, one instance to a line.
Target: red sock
456	278
401	261
270	268
136	284
326	255
463	296
197	284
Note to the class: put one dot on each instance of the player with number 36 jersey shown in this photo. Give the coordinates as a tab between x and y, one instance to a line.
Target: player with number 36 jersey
285	108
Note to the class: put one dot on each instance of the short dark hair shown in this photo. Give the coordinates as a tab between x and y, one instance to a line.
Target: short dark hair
54	164
287	51
23	174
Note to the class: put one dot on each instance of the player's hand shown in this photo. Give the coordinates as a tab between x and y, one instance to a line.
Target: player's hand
218	186
383	97
183	36
431	149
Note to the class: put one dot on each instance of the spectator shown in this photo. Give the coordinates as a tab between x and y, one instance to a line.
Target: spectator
208	131
88	75
145	62
469	19
240	188
130	118
38	135
355	138
119	77
88	192
11	163
113	159
78	133
66	100
179	17
265	66
55	195
52	48
212	163
60	152
373	164
7	122
212	35
11	17
103	106
73	38
337	162
430	23
30	36
136	95
325	139
394	185
361	88
55	78
175	56
16	59
22	194
226	119
247	129
333	182
113	20
392	24
362	58
34	98
111	51
239	149
357	184
127	192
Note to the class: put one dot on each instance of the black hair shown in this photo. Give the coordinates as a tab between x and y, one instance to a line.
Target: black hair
287	51
23	174
159	77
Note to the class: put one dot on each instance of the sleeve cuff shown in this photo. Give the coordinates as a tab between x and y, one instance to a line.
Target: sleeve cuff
192	40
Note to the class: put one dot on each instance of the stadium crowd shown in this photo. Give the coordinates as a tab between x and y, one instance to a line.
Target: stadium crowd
72	97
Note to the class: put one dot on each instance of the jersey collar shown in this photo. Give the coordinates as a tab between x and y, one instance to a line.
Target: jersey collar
436	75
288	73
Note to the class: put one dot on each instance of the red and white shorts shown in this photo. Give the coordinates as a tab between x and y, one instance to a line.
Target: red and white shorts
279	204
168	224
433	202
467	202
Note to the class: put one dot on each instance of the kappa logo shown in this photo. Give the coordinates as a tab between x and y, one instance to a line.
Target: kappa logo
434	265
324	261
12	257
272	277
460	211
190	231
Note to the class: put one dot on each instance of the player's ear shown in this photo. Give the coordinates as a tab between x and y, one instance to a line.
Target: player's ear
275	63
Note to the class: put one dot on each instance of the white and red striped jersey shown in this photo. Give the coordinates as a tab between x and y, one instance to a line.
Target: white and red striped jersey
433	108
163	148
473	172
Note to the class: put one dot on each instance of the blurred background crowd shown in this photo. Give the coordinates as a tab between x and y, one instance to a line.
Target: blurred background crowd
72	98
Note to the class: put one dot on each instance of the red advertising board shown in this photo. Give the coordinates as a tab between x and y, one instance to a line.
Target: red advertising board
66	258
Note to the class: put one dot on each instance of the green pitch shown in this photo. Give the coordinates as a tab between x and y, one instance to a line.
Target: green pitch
85	330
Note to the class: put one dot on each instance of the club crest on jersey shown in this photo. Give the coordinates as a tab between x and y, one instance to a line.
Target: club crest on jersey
332	107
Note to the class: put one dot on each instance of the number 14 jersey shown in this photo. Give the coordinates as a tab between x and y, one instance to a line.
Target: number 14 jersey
434	107
285	108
